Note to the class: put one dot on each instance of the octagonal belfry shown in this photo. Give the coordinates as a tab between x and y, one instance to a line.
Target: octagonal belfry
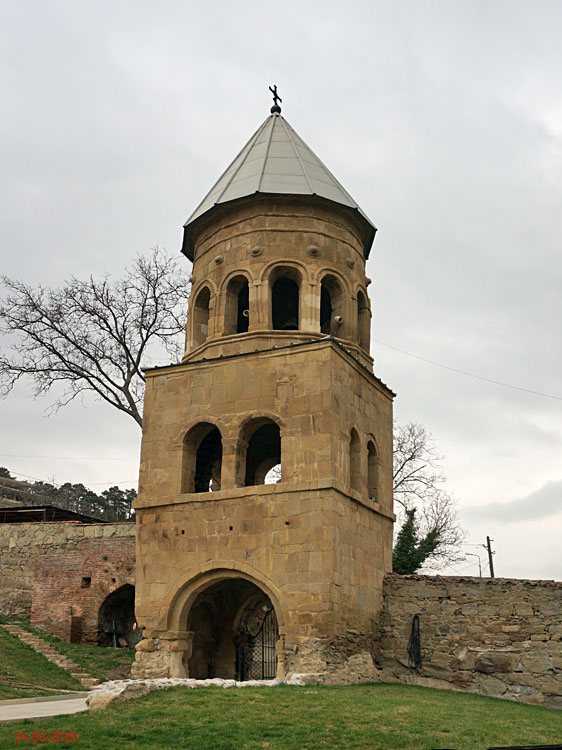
265	501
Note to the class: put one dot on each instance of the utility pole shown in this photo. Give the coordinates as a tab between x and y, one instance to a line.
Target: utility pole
490	553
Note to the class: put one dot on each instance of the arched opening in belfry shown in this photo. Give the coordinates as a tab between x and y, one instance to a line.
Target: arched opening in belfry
202	459
116	619
354	461
260	453
363	322
285	304
235	632
237	307
201	316
372	472
331	306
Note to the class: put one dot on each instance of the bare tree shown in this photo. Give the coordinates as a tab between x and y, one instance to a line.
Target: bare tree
418	484
94	336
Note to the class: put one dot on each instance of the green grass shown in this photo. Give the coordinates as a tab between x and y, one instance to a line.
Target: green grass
373	717
19	663
103	663
100	662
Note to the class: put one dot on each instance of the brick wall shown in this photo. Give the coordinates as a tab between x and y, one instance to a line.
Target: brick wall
69	588
23	545
500	637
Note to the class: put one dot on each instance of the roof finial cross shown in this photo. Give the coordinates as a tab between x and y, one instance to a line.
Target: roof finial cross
276	98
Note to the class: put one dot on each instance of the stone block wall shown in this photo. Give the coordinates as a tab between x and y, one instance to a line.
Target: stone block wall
499	637
22	545
295	544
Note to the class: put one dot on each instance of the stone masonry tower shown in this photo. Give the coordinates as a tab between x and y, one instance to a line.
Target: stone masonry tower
265	505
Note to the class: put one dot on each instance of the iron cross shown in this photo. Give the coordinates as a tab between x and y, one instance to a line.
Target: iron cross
276	98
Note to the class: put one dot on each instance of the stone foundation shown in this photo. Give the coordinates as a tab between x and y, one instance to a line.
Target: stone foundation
343	660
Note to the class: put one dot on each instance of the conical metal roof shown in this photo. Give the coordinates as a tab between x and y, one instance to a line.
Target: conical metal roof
275	161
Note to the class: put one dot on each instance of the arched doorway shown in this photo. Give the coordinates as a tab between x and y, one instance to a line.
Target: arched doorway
116	617
235	632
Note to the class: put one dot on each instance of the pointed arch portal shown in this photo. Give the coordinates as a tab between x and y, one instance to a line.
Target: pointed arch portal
235	632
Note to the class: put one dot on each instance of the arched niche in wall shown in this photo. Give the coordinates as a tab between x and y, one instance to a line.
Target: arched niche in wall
201	316
332	319
372	471
363	321
202	459
116	617
237	312
354	461
259	451
285	287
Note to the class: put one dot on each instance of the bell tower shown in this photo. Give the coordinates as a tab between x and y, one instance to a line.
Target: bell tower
265	501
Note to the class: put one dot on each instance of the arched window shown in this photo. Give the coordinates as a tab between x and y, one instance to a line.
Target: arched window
237	314
363	322
259	453
331	306
285	304
202	459
201	317
354	461
372	472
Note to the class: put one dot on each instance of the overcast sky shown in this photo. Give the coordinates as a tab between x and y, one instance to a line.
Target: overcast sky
442	119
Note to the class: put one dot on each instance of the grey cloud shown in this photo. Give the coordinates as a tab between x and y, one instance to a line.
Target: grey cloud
542	503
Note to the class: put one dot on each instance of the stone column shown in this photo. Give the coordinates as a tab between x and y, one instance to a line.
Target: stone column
310	307
228	470
258	304
165	655
214	323
177	644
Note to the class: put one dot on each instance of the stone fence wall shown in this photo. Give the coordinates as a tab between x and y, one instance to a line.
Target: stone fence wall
23	544
495	636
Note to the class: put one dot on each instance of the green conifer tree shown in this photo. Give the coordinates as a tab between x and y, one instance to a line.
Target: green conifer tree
410	552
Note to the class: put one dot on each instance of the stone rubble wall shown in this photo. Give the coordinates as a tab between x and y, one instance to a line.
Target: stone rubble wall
23	545
341	660
499	637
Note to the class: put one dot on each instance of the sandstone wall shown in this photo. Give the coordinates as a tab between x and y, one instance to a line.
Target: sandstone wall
500	637
22	545
250	239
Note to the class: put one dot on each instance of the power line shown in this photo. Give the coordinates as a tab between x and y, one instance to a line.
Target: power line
69	458
90	484
460	572
469	374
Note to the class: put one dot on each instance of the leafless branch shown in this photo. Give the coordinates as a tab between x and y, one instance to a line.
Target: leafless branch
92	336
418	483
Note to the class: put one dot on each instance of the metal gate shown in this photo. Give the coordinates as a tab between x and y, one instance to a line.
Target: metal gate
256	657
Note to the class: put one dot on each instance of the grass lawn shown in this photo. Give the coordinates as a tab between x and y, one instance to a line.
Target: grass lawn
19	663
103	663
385	717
